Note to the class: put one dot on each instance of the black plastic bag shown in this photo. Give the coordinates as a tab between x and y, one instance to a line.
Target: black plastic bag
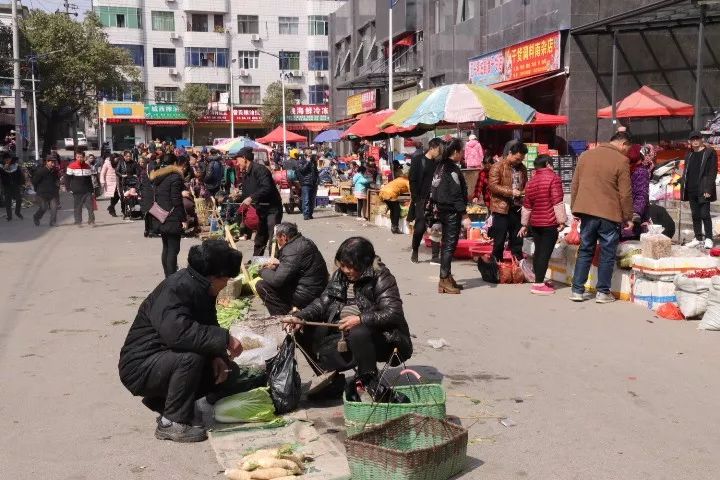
284	379
488	268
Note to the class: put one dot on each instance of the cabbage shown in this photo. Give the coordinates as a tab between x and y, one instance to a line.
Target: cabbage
251	406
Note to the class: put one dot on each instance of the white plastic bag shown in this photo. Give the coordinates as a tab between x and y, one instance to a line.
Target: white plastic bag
262	348
692	295
711	319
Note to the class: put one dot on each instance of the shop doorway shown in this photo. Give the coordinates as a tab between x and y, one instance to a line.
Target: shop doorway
123	136
167	133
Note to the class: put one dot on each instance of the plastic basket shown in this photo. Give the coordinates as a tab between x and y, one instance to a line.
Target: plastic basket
411	447
425	399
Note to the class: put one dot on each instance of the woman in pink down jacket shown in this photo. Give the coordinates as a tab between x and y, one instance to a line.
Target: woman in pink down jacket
543	212
473	153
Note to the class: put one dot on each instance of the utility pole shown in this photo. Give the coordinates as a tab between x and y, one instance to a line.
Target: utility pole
68	6
16	83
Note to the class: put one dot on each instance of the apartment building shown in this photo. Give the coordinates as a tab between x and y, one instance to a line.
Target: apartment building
236	48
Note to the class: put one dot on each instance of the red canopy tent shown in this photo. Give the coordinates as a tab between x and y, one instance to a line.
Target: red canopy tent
368	127
276	136
647	102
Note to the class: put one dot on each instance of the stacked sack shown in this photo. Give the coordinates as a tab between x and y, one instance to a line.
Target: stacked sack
711	319
651	287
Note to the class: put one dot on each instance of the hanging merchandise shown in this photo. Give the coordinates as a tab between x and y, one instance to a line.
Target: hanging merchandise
573	238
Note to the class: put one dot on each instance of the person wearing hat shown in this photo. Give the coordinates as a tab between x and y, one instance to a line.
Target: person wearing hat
698	188
259	190
390	193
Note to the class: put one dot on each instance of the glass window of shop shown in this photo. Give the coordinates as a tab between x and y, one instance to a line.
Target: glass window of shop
250	95
288	25
119	17
289	60
248	24
317	25
319	94
318	60
164	57
206	57
163	21
248	59
166	94
123	136
137	53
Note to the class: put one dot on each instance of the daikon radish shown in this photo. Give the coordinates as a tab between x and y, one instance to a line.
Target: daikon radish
269	473
235	474
278	463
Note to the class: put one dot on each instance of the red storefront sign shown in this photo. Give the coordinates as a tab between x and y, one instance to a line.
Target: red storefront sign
533	57
362	102
298	113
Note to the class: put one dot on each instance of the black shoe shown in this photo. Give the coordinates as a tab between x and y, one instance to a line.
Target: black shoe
19	215
112	212
382	393
36	221
414	257
395	230
351	394
178	432
435	261
8	218
331	391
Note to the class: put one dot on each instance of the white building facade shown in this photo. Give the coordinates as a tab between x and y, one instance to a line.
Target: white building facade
235	48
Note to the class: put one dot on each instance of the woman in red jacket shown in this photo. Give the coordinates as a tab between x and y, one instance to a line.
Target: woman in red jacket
543	212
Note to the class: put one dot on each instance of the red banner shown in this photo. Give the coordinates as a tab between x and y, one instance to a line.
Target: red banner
298	113
533	57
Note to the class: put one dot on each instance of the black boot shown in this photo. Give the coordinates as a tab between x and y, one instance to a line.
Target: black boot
382	393
414	257
112	212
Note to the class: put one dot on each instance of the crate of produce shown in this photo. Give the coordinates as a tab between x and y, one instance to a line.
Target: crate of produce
411	447
425	399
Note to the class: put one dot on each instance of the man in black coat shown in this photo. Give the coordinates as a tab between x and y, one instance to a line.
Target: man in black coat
45	181
308	176
175	352
13	181
259	190
297	277
422	168
698	188
214	172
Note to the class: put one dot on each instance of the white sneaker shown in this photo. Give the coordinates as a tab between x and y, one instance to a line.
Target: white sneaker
693	243
709	243
604	297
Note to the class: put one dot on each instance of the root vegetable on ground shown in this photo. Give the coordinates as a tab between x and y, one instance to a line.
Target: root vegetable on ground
270	473
237	474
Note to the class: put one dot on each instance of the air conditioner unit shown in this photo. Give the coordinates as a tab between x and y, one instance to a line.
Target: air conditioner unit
244	73
174	36
255	38
173	71
296	73
319	74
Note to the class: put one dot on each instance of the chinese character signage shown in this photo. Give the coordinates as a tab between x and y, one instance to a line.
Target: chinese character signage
362	102
124	110
168	111
309	113
532	57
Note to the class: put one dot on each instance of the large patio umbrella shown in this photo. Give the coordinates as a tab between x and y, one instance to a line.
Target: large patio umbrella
328	136
460	103
234	145
647	102
369	126
276	136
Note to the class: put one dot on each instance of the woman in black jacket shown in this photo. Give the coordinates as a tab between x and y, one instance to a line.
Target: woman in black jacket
449	195
168	184
363	298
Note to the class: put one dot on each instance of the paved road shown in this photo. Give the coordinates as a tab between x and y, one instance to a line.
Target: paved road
596	392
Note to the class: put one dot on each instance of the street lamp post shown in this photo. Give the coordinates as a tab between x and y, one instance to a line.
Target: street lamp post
282	86
232	101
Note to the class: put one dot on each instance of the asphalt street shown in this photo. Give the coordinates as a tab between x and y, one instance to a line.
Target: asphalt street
590	391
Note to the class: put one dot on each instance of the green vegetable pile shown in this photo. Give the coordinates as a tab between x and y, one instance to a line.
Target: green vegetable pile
252	406
235	311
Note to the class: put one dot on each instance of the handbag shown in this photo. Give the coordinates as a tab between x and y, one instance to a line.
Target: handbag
510	272
160	214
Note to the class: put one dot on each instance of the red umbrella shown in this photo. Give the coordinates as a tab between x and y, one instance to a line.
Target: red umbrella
647	102
368	126
276	136
540	120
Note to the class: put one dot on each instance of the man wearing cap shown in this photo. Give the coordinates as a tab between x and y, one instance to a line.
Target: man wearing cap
259	190
698	188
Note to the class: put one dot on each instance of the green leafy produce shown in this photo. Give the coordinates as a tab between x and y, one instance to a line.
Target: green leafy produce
246	407
234	311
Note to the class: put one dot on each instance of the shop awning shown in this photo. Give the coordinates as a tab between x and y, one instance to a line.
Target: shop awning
307	126
647	102
369	126
517	84
166	123
540	120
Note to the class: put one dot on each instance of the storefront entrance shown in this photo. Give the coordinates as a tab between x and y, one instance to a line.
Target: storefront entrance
167	133
123	136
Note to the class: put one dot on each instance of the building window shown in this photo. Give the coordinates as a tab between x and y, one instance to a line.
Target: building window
215	90
297	94
250	95
164	57
129	93
6	89
219	23
319	94
317	25
437	81
120	17
197	22
465	11
289	60
318	60
248	59
163	21
137	53
248	24
166	94
206	57
288	25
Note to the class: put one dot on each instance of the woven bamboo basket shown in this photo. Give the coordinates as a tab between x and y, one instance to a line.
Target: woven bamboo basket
411	447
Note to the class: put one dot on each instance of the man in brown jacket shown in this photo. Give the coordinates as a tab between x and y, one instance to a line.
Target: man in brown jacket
602	199
506	183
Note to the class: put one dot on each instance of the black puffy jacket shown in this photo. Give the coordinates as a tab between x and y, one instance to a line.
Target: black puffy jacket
178	315
302	270
259	185
307	173
378	298
46	183
168	183
214	173
451	191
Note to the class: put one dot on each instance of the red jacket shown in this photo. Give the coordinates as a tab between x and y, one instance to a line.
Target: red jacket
482	192
542	193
